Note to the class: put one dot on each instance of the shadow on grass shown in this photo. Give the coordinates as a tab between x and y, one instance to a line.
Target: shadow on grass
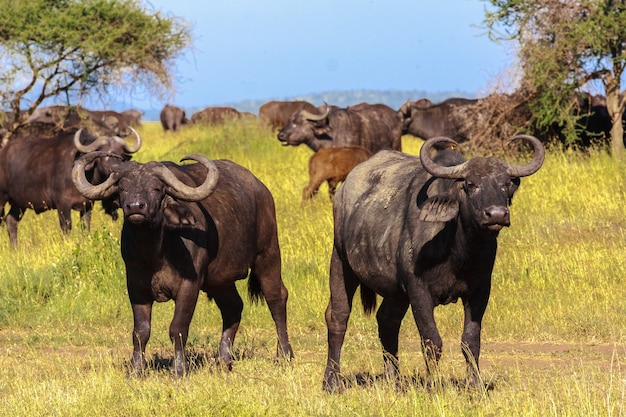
417	382
196	360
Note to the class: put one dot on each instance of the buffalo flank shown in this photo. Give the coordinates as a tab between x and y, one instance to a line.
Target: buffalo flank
332	165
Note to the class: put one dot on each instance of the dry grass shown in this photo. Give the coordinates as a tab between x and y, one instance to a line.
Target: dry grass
554	337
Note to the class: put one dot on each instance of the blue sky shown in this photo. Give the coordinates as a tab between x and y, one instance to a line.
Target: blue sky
275	49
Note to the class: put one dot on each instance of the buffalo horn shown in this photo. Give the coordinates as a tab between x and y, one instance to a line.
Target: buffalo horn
135	148
93	192
316	117
439	171
534	165
87	148
184	192
98	142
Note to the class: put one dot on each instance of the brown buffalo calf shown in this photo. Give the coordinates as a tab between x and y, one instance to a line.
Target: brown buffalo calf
332	165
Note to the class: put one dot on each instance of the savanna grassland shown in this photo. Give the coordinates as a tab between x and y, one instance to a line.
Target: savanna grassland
554	335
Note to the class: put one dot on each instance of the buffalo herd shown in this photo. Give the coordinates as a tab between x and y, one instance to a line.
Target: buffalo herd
414	231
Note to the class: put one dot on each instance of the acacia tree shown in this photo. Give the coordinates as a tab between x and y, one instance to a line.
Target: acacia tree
79	48
563	46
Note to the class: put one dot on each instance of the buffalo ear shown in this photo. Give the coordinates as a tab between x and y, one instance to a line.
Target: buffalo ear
439	209
177	215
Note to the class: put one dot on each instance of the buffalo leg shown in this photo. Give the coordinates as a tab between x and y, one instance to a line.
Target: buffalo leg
142	317
12	219
470	340
343	285
185	305
311	189
266	271
389	317
332	187
65	219
230	304
423	312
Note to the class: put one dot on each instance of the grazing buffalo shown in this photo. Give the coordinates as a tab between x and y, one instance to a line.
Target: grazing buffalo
189	228
60	118
372	126
333	166
453	118
276	113
172	118
215	115
35	173
420	232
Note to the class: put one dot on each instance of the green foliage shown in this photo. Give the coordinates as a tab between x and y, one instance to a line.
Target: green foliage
75	48
554	335
562	47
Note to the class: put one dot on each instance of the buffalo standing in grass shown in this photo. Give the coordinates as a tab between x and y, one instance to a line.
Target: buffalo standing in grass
452	118
420	232
60	118
333	166
189	228
215	115
35	173
172	118
372	126
275	113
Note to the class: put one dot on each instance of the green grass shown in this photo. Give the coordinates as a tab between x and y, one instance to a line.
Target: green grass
554	335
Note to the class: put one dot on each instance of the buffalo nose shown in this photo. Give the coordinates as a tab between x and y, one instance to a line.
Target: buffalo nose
135	207
497	215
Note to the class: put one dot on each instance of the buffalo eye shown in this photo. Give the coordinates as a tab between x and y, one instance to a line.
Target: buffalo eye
507	186
470	187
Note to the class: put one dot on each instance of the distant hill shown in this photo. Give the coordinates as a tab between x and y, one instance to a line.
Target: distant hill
392	98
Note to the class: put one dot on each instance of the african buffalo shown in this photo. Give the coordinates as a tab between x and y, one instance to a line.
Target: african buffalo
35	173
333	166
172	118
189	228
215	115
372	126
276	113
404	113
420	232
453	118
133	117
64	118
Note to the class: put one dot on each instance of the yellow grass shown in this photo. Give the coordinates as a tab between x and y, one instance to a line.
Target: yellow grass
554	335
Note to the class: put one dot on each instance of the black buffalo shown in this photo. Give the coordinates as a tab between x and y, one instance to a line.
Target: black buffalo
452	118
372	126
35	174
60	118
214	115
420	232
276	113
189	228
172	118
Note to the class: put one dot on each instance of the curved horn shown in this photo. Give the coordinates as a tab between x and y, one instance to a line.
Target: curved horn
180	190
135	148
93	192
316	117
86	148
439	171
534	165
